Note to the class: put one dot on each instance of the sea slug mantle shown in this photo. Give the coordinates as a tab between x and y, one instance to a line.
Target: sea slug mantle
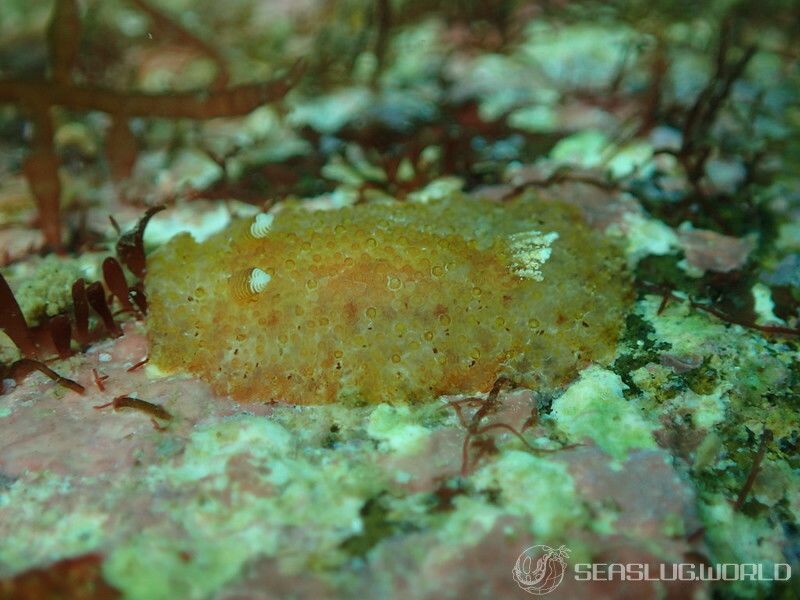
388	302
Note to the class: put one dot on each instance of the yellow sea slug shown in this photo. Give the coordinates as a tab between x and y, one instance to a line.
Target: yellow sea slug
388	302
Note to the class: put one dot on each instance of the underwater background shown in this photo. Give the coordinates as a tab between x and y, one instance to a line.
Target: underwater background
399	299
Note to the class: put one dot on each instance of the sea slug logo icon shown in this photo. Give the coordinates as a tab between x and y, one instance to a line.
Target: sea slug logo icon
540	569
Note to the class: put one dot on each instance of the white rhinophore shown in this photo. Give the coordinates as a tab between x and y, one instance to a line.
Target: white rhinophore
258	280
261	225
248	283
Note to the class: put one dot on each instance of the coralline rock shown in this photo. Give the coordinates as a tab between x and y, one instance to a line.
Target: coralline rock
710	251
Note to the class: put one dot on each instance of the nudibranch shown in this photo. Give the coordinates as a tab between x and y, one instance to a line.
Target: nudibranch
388	302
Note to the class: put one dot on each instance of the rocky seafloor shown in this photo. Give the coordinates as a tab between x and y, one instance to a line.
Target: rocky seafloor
681	447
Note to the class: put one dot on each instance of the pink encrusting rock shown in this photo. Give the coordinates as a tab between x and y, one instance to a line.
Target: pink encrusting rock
646	491
710	251
438	456
49	427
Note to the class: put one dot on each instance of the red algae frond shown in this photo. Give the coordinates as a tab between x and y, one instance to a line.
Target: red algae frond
394	302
